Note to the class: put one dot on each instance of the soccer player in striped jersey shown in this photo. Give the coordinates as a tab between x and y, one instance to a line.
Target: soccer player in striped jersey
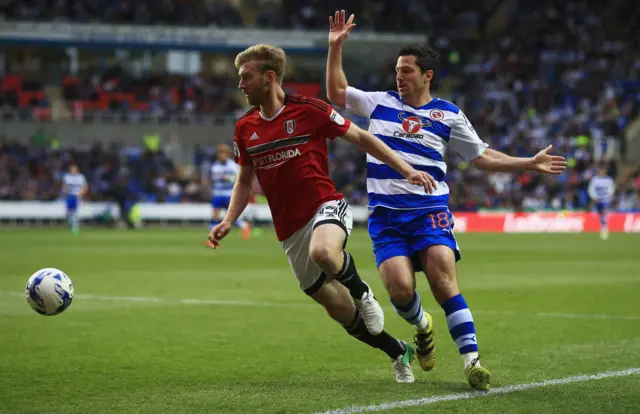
224	172
74	187
601	189
411	229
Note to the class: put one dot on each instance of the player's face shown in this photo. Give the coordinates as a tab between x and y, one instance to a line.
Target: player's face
73	169
253	83
409	78
223	153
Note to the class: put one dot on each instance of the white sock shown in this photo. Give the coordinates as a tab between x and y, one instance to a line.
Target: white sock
469	357
423	323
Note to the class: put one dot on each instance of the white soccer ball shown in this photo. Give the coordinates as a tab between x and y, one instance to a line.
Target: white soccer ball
49	291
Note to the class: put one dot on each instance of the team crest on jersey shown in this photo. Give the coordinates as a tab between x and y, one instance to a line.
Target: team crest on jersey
412	124
290	126
436	115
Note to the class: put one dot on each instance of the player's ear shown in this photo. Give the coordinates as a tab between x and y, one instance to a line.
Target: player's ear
428	76
270	76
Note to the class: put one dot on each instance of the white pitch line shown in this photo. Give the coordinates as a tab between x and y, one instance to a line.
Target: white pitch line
258	304
469	395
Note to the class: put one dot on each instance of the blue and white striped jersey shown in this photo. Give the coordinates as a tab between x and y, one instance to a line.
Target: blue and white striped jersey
420	136
74	184
601	189
223	177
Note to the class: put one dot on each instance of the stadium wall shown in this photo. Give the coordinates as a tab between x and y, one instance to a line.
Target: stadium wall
33	212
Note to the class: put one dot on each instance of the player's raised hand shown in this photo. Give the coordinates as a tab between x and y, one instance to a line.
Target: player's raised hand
423	179
218	233
339	29
546	163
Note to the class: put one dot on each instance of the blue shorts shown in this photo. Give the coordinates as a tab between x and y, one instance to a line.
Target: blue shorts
407	232
602	207
220	202
72	204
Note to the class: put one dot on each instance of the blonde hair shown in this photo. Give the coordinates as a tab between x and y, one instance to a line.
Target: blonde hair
268	58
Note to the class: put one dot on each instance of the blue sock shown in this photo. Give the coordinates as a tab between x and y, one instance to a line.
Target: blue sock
412	312
603	221
460	322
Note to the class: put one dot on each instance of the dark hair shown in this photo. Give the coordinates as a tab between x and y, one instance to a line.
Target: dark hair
426	57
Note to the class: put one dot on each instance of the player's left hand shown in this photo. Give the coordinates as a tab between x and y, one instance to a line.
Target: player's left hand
218	233
424	179
546	163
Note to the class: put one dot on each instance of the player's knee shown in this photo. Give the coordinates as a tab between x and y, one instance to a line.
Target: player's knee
400	290
323	255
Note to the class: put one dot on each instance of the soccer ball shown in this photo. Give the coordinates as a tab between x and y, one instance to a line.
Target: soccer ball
49	291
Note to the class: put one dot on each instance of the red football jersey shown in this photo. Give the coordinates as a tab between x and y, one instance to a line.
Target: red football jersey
289	153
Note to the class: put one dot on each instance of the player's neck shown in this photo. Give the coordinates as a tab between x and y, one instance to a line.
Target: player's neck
417	101
274	102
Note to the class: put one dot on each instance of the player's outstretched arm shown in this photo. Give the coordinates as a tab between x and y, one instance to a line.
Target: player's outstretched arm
239	200
368	143
339	30
543	162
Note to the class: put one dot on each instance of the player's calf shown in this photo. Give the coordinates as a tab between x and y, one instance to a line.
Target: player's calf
336	301
397	275
326	251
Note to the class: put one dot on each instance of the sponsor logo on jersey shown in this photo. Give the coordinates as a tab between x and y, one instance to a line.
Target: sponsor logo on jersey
411	125
276	158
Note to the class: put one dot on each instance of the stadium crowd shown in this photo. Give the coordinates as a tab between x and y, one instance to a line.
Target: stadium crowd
565	73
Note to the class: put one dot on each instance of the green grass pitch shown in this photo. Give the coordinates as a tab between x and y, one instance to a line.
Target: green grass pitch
160	323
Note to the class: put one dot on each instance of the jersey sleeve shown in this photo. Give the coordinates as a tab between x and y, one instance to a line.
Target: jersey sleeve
329	122
464	138
361	102
240	153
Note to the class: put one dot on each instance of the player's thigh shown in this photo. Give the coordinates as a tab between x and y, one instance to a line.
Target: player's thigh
398	277
296	248
332	226
433	228
387	237
439	264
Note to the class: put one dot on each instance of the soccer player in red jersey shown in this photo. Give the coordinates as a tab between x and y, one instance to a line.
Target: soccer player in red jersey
282	141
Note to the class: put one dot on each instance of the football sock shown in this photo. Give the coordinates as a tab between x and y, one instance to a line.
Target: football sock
384	342
349	278
74	222
461	327
413	313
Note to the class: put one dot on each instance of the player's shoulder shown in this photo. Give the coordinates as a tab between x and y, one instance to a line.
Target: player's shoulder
306	102
251	113
445	106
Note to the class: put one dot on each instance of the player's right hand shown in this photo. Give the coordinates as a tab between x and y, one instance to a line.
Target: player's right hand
339	29
218	233
424	179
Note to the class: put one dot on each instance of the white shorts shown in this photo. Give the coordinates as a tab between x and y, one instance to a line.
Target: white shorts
296	247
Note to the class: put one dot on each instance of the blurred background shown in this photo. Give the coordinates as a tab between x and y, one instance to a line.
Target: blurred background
139	92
